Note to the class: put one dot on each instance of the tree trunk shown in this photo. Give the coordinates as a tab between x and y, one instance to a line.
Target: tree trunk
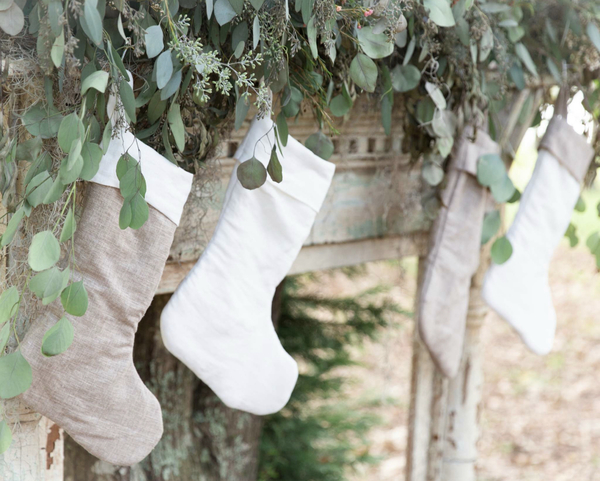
204	440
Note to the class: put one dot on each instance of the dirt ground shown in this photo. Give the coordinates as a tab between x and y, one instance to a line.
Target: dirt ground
541	415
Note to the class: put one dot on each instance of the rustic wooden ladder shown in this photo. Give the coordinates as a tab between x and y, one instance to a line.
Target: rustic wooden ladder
373	212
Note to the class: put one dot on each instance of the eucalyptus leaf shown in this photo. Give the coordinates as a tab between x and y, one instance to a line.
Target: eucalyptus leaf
491	225
11	228
97	80
71	129
255	32
593	34
282	128
139	211
224	12
128	99
432	173
92	155
320	144
92	24
44	251
15	375
177	127
9	304
490	169
69	226
340	105
75	299
42	122
57	52
274	167
68	174
375	45
164	68
405	77
439	12
48	285
257	4
156	108
172	85
436	95
523	54
251	174
503	190
311	33
58	338
363	72
38	188
12	20
154	41
501	250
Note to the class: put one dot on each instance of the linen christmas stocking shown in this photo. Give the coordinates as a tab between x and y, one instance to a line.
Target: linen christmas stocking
518	290
218	322
93	390
454	253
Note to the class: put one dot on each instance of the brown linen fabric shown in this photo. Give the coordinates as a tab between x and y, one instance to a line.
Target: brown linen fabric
93	390
568	147
454	254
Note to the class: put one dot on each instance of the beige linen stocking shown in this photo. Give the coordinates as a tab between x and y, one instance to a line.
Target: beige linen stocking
454	254
93	390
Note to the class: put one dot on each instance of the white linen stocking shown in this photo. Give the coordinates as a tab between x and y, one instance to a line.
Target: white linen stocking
218	322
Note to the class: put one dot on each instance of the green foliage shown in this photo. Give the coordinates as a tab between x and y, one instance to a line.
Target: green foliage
320	435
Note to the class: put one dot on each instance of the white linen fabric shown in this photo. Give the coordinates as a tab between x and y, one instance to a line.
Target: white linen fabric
218	322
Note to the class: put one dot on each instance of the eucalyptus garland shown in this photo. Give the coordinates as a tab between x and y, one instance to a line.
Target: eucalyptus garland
198	65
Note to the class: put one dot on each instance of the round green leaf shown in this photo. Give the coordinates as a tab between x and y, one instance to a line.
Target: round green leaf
363	72
92	155
48	285
75	299
320	144
340	105
490	169
405	77
97	80
375	45
154	41
432	173
252	174
58	338
439	12
71	128
44	251
501	250
224	12
12	20
15	375
38	188
503	190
